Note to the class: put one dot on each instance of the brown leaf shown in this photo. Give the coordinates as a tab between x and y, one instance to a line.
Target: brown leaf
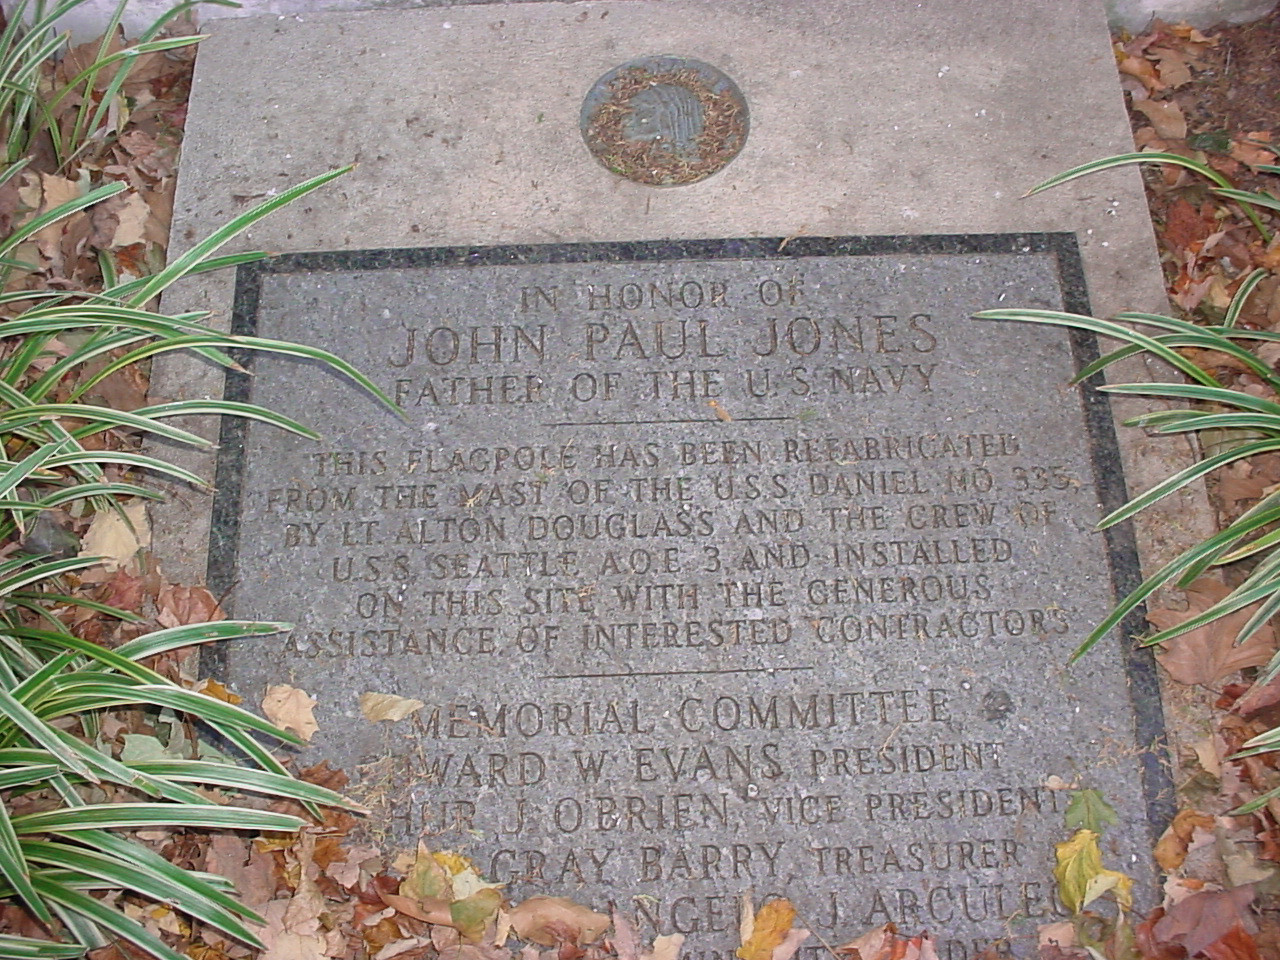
1203	918
1166	116
1144	70
1236	944
549	921
1171	850
1174	66
252	872
182	605
873	945
387	706
290	708
212	688
1209	653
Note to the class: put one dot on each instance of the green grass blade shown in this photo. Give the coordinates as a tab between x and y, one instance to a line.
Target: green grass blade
1188	475
1127	159
323	356
133	816
243	778
1194	391
17	717
1107	329
99	913
188	895
1255	197
25	948
13	867
186	408
75	691
1249	284
122	848
182	264
125	458
172	638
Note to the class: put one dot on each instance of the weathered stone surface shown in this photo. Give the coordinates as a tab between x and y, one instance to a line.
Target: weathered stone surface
716	566
89	20
465	125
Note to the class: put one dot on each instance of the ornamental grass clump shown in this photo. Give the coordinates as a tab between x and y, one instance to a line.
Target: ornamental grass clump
58	852
1212	411
71	803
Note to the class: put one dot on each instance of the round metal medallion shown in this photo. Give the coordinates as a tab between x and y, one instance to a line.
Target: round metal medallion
664	121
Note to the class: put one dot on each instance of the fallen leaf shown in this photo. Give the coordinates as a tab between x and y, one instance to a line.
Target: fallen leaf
1089	810
117	539
472	914
290	708
792	942
1235	944
387	706
1171	849
872	945
666	947
212	688
1081	876
1166	116
427	879
1209	653
625	943
1204	918
1060	934
549	921
772	924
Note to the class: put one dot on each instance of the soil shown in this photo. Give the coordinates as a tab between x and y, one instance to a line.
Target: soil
1239	88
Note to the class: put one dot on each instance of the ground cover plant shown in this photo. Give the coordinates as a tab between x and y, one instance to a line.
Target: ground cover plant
75	635
67	793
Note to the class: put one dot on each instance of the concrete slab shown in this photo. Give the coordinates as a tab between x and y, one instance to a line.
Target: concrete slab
464	125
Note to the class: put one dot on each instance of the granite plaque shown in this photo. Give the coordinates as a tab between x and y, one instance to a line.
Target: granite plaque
717	565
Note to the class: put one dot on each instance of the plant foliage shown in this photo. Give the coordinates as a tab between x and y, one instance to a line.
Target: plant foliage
67	803
1254	422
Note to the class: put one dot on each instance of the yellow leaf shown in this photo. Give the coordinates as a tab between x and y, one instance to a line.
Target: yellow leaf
1081	877
1120	886
772	923
427	879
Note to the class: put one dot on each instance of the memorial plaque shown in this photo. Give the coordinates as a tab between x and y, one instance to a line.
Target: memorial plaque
717	565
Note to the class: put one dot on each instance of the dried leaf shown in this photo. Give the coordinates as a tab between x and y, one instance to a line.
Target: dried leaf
212	688
471	915
1081	876
1166	116
872	945
117	539
666	947
1209	653
549	921
290	708
1236	944
1204	918
1171	850
792	942
387	706
772	924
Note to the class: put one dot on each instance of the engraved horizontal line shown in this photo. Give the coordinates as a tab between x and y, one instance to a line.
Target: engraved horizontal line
669	673
644	423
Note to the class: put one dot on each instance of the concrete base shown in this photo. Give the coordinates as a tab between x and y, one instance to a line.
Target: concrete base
87	21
